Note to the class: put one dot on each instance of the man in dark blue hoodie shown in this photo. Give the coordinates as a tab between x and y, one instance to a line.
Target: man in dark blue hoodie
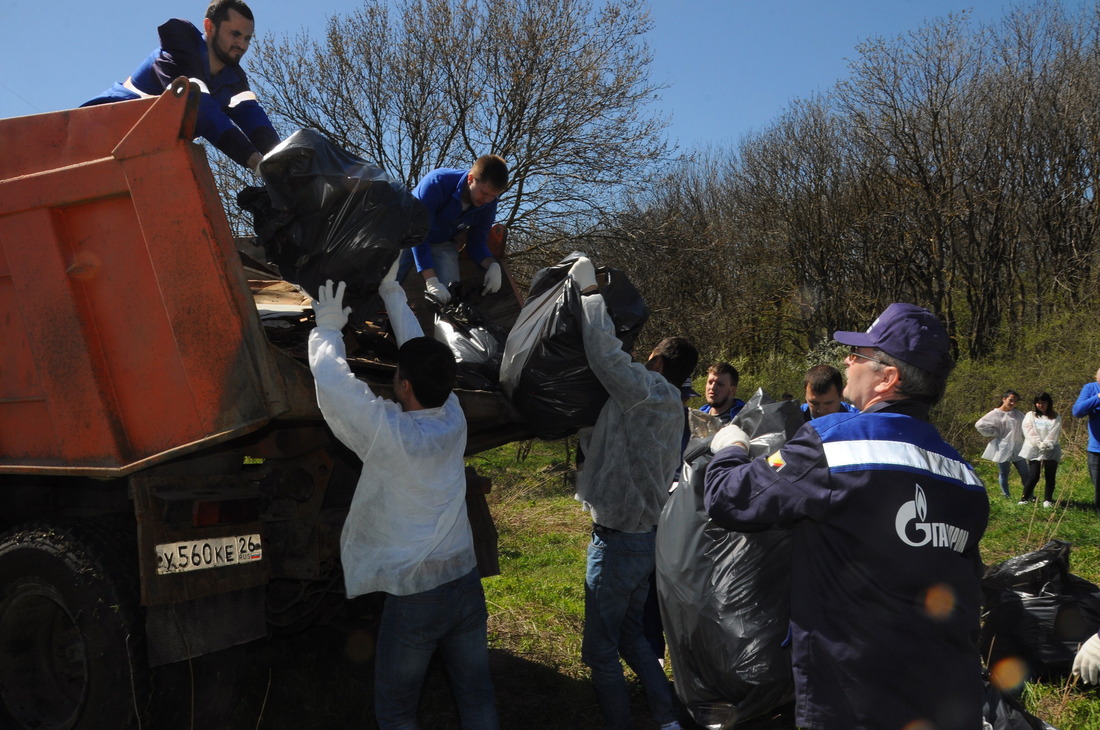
230	117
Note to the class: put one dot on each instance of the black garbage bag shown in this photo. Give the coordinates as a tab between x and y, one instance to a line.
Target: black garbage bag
545	370
477	343
1004	712
1037	611
324	213
725	596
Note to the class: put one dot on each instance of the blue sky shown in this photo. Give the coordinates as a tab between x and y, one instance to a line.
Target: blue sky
732	66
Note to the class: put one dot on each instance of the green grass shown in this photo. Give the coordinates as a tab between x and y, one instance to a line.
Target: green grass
537	605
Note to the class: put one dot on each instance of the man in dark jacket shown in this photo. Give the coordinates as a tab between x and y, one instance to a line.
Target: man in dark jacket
230	117
886	518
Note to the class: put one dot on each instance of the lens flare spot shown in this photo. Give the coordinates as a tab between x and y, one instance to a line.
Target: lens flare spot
1008	674
939	602
919	725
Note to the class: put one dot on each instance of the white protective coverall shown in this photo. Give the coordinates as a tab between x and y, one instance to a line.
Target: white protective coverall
407	530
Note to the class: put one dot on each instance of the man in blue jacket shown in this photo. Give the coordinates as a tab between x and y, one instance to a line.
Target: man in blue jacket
885	519
230	117
462	203
1088	404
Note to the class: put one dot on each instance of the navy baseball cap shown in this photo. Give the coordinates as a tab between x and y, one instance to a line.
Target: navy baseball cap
909	333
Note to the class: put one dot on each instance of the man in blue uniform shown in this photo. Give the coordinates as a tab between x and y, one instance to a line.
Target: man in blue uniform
721	392
461	203
885	518
229	118
824	385
1087	405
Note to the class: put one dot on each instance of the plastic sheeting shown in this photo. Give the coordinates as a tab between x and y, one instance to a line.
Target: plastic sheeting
324	213
544	369
478	344
725	596
1037	611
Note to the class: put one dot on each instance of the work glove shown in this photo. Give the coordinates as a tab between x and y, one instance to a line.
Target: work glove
584	273
492	279
389	281
1086	664
437	291
329	309
729	436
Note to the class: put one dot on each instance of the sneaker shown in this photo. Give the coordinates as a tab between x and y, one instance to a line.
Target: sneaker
1048	504
1022	501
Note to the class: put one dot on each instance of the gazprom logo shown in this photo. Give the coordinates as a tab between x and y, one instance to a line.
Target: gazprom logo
916	532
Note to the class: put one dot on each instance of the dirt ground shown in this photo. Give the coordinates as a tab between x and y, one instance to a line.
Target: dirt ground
323	678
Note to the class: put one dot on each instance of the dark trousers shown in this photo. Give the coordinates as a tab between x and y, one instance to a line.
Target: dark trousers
1094	472
1049	468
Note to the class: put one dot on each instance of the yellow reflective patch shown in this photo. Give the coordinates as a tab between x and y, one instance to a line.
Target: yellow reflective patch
776	461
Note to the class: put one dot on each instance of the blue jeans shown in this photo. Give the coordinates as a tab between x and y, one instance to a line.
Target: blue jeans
1003	468
1094	474
451	618
615	590
444	257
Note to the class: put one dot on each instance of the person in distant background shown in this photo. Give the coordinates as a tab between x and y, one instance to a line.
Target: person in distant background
1003	427
230	117
1088	406
823	385
1041	428
461	202
721	392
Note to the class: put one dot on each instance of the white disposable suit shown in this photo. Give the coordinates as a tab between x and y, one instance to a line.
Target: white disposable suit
407	529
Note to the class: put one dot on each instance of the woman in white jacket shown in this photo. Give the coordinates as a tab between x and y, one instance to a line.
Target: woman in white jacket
1003	426
1041	428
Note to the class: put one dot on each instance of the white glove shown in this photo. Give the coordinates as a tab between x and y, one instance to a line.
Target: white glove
492	279
329	309
583	272
389	281
730	435
437	291
1086	664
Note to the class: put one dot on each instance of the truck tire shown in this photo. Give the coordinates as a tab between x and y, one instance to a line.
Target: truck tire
71	636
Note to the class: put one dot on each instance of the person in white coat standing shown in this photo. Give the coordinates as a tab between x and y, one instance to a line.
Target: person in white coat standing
1003	426
407	533
1042	428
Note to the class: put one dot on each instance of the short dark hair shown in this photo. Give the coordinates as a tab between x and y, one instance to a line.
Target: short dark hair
1008	393
218	10
492	169
430	367
724	368
915	383
680	358
821	378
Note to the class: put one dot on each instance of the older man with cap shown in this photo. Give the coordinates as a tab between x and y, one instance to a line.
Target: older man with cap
885	519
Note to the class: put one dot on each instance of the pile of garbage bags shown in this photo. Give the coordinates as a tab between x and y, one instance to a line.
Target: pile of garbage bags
1037	611
324	213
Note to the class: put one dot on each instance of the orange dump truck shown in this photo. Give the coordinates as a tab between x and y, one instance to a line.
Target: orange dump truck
167	485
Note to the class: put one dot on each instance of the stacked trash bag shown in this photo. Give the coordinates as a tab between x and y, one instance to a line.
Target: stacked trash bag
725	596
326	214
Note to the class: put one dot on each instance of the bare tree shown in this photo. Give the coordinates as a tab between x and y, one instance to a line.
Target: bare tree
559	88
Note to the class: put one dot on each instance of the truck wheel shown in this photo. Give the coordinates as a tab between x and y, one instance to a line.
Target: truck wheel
71	639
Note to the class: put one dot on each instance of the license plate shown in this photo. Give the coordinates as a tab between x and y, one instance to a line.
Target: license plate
217	552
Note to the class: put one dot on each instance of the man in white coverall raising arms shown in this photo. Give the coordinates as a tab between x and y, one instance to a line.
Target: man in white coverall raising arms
407	533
